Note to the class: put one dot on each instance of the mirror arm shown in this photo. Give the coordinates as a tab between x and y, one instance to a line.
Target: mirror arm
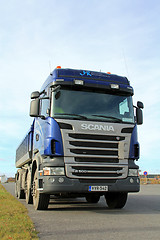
55	88
42	92
44	98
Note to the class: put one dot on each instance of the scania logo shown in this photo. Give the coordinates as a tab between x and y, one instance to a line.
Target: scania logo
98	127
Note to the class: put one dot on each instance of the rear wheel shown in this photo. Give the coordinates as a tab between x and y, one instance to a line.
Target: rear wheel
29	198
18	190
40	200
92	198
116	199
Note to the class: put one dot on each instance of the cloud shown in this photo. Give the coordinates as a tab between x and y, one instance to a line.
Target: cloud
1	159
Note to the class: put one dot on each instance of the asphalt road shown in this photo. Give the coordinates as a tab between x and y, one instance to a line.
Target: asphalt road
74	219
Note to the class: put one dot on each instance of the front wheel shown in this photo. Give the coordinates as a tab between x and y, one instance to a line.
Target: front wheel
40	200
116	199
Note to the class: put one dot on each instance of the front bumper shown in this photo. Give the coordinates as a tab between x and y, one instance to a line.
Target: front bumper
62	184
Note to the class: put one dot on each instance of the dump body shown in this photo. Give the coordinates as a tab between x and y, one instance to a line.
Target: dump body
83	140
24	151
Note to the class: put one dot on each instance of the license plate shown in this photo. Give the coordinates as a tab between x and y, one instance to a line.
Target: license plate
98	188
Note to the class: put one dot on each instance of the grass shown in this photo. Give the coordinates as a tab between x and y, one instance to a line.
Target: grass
14	220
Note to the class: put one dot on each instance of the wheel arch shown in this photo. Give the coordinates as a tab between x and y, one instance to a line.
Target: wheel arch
36	164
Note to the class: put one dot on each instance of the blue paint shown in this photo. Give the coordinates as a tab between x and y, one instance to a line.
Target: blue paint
53	133
47	130
134	141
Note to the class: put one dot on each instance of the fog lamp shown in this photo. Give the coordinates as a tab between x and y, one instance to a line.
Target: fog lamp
61	180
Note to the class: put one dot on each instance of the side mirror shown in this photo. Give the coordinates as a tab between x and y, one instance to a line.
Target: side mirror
35	95
139	116
34	108
140	105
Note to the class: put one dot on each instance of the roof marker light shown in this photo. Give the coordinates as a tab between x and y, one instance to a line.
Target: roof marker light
108	72
78	82
58	67
59	80
114	86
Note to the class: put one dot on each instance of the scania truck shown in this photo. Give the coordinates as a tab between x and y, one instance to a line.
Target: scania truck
83	140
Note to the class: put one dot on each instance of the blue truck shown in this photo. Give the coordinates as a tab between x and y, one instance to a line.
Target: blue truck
82	142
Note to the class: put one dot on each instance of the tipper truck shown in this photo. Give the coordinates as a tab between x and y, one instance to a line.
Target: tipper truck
83	140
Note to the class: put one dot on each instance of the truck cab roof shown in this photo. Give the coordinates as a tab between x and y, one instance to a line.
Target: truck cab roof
67	75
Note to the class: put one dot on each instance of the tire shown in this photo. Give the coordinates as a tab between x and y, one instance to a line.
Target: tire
40	200
16	189
20	192
28	192
92	198
116	199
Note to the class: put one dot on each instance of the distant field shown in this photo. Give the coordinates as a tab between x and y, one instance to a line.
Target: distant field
14	221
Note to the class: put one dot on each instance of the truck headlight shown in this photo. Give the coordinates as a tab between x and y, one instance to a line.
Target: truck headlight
133	172
53	171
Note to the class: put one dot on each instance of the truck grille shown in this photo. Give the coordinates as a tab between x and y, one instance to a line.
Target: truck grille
94	145
96	160
94	152
95	156
95	137
96	171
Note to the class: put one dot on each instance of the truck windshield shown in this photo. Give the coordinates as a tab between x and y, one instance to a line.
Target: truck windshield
91	105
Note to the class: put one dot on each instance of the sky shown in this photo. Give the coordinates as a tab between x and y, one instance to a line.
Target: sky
117	36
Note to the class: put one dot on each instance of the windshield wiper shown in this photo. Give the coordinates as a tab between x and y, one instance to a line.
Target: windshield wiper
70	114
109	117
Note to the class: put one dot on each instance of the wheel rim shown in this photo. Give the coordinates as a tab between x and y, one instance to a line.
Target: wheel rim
35	187
28	191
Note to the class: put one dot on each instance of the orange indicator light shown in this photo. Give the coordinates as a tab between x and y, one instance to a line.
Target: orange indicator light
46	172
